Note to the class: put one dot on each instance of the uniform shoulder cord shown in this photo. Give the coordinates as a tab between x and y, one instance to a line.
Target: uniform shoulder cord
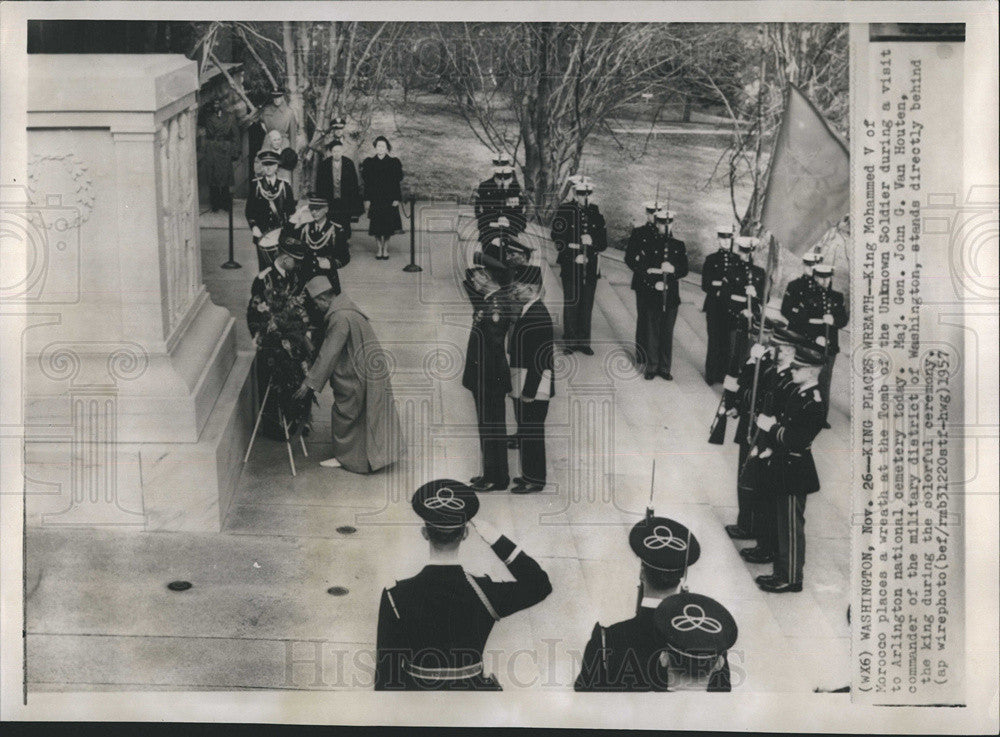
482	596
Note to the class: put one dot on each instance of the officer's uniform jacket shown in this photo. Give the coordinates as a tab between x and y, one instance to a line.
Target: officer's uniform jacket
813	304
269	206
741	398
494	200
625	657
791	469
653	253
327	241
714	281
486	367
570	223
269	288
637	240
793	293
530	347
740	275
432	628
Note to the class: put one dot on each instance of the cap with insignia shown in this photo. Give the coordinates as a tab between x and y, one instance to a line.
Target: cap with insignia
445	503
292	246
663	544
806	356
652	206
724	231
783	336
811	257
318	285
695	626
822	269
746	243
268	157
316	201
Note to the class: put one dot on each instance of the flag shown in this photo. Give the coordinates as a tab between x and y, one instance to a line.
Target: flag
808	190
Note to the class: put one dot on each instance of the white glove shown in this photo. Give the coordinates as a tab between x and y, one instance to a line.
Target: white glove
668	268
513	202
733	412
485	530
653	270
574	246
828	318
717	283
765	422
821	340
815	321
586	240
751	291
757	350
503	222
581	259
659	286
255	231
324	263
745	313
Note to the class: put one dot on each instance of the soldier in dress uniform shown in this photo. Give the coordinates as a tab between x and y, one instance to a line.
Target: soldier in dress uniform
637	239
698	632
819	314
325	241
746	290
487	376
503	256
715	285
789	473
625	656
662	263
579	234
802	283
270	203
433	628
499	205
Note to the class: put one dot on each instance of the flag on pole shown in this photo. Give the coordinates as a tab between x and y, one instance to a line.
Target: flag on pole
808	190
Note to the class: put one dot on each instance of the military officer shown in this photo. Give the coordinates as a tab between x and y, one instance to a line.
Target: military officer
636	241
579	234
802	283
503	257
663	262
433	628
625	656
270	203
325	241
715	285
283	279
697	632
499	205
746	291
819	314
790	472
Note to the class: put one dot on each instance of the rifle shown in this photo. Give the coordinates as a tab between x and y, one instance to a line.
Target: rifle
666	249
771	263
649	516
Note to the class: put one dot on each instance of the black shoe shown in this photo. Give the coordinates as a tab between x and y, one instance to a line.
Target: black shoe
519	481
485	486
513	442
767	577
528	488
665	375
779	587
738	533
568	349
757	555
826	425
586	350
476	480
649	376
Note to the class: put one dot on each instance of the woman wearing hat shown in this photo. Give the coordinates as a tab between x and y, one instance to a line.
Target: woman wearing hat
382	175
337	181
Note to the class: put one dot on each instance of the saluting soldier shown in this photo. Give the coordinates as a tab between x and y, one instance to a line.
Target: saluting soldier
579	234
805	282
746	290
637	240
790	471
326	242
819	314
715	285
433	628
499	204
663	262
270	203
698	633
625	656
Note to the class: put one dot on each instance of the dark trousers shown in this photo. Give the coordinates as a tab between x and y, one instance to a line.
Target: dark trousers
790	531
660	336
746	517
824	379
641	329
717	357
531	432
578	305
739	345
265	258
492	421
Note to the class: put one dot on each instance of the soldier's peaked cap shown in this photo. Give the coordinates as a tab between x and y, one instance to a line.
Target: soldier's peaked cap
664	544
445	503
316	200
783	336
695	626
292	246
724	231
665	216
821	269
811	257
268	157
806	356
746	243
652	206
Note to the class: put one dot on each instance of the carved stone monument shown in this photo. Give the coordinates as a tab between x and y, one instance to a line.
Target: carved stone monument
137	402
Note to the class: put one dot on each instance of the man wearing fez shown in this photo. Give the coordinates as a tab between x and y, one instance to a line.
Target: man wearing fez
363	421
789	472
638	240
625	656
715	285
499	206
270	203
579	234
662	261
337	181
325	241
819	314
530	347
433	628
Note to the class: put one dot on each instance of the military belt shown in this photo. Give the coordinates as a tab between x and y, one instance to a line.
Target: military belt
444	674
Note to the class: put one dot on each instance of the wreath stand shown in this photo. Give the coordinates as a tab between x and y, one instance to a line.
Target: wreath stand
284	426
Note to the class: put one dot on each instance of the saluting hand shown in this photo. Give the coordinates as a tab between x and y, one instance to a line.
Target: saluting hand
485	530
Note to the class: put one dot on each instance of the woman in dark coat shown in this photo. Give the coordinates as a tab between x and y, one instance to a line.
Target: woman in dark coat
382	174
